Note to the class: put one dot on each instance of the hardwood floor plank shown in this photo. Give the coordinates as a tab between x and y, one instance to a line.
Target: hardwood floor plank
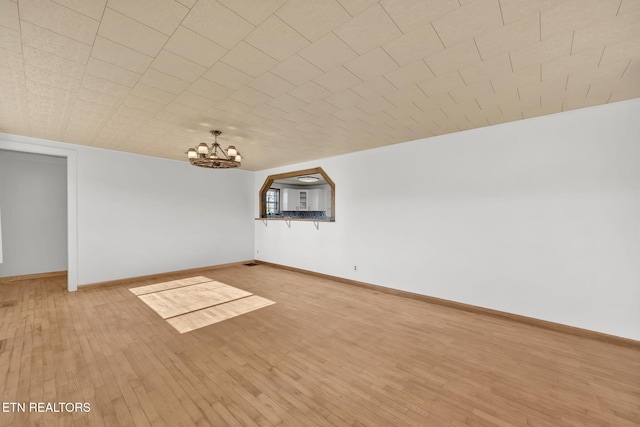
325	354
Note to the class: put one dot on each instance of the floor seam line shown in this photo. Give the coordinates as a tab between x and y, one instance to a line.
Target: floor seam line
204	308
170	289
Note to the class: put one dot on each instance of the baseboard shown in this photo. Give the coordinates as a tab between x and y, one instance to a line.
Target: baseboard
558	327
11	279
160	276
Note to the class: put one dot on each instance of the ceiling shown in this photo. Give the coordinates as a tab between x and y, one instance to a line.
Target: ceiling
290	81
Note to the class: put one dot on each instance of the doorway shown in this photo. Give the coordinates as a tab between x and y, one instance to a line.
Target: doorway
37	146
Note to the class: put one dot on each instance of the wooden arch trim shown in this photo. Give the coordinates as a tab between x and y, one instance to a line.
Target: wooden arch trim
269	181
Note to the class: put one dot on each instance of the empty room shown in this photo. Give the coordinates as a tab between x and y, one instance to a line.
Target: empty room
320	212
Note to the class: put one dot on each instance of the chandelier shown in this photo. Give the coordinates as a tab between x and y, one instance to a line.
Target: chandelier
215	156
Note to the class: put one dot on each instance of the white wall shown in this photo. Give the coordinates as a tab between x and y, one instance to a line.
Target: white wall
33	196
538	217
143	215
139	215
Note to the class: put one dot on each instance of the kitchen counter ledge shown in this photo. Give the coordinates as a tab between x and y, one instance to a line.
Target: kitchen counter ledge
296	219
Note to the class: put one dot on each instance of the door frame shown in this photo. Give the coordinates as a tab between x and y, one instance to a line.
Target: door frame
40	146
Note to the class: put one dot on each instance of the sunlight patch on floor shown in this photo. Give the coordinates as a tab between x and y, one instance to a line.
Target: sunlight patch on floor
195	302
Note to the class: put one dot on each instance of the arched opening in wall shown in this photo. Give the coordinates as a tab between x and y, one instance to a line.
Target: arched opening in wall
299	195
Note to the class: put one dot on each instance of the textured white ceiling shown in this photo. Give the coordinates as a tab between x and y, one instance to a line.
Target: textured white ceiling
289	81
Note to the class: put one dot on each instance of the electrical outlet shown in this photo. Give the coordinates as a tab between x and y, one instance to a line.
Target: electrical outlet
257	251
355	268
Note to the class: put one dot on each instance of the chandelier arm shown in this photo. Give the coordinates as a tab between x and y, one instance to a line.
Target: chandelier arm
220	150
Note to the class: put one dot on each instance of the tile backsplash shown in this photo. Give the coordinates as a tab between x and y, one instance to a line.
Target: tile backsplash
301	215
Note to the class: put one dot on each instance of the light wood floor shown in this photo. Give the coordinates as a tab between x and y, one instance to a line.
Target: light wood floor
325	354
